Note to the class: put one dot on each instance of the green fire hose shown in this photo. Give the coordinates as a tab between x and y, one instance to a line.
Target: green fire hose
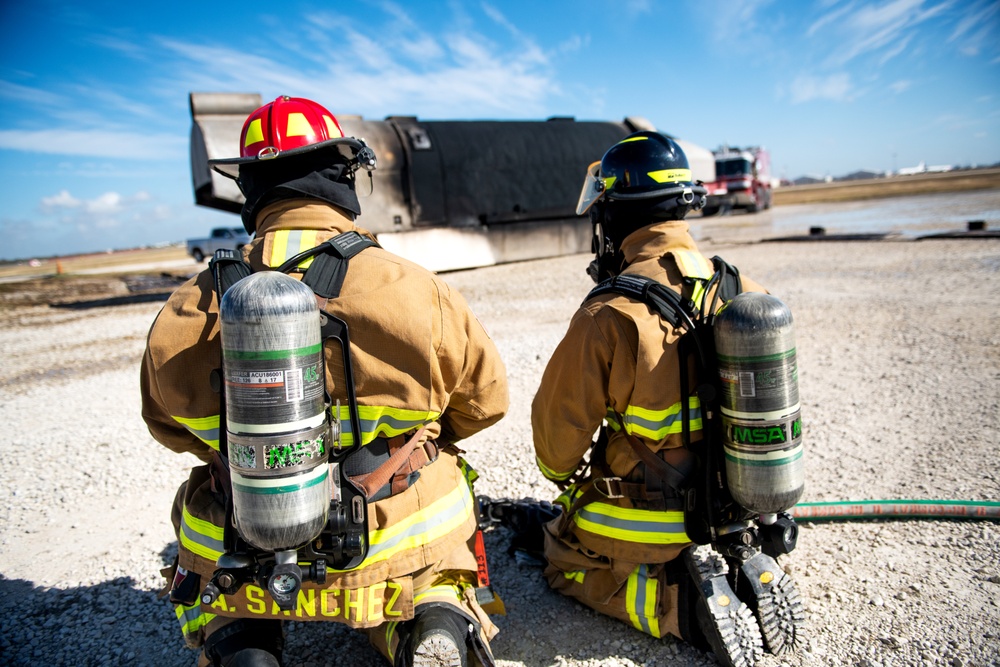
849	510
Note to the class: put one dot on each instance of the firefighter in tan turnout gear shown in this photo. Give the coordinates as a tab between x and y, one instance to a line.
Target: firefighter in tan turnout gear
617	538
394	552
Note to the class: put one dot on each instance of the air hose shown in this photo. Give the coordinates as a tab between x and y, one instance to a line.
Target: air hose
851	510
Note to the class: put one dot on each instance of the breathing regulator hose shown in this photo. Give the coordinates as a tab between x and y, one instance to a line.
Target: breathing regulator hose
852	510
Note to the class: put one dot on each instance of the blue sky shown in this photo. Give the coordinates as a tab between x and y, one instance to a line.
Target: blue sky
94	118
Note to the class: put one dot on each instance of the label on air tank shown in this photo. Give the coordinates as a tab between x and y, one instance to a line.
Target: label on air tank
759	387
274	387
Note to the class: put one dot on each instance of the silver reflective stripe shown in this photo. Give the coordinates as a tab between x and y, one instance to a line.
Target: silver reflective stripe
631	525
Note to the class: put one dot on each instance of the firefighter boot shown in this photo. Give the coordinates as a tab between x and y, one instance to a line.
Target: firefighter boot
773	598
526	518
727	625
246	643
437	637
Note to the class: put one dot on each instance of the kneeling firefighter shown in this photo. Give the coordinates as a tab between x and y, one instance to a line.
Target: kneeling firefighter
674	522
324	383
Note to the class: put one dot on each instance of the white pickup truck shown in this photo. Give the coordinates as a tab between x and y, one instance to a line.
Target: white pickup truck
233	238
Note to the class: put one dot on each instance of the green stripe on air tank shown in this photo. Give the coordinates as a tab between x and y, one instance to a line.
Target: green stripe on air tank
272	354
261	488
795	455
767	357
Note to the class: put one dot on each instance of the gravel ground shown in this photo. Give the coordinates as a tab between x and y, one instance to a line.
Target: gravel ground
899	348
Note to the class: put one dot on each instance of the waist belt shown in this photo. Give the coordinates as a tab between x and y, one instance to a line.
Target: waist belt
382	468
388	466
658	481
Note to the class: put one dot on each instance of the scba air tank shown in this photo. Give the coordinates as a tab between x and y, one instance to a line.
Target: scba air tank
275	411
755	343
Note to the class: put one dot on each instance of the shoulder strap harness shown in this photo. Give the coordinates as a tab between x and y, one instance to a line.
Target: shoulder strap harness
325	276
667	473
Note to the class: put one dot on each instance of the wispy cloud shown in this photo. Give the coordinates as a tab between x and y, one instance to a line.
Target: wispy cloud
883	29
29	95
109	203
836	87
978	29
105	143
900	86
466	73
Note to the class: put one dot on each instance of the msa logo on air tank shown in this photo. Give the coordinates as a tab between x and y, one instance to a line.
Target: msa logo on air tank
774	434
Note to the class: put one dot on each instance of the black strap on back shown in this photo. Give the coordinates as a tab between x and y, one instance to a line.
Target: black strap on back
730	284
697	340
329	266
667	303
227	268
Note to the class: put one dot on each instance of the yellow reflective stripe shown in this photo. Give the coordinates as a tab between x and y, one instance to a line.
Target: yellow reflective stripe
201	537
569	496
697	292
205	429
331	128
254	133
609	181
575	575
443	591
192	618
287	243
632	525
421	528
657	424
552	474
693	264
468	472
390	630
670	175
629	139
640	601
297	125
380	420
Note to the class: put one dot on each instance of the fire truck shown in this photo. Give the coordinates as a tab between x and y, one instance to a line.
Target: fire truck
449	194
742	180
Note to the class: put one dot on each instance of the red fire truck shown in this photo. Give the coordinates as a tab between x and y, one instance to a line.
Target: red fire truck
742	180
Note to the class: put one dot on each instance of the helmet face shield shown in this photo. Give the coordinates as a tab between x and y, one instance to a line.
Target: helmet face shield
593	188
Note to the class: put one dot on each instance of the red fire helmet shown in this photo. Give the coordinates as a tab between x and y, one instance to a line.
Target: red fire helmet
287	126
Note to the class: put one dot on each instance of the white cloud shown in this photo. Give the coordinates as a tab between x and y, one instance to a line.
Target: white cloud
100	142
884	29
451	73
900	86
109	202
35	96
62	200
978	28
105	205
836	87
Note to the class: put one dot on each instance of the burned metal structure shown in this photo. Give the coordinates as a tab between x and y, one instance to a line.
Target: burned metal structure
448	194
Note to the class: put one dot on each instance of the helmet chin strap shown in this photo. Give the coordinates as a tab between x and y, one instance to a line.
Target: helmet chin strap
608	261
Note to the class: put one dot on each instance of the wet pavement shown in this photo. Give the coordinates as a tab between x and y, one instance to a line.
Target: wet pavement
904	217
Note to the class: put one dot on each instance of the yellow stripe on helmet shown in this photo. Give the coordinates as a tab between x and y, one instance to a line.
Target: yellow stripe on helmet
298	126
331	128
254	133
670	175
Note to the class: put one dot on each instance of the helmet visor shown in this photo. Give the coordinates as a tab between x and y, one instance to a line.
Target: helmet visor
593	188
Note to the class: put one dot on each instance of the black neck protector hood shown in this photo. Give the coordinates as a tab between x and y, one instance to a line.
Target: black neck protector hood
295	178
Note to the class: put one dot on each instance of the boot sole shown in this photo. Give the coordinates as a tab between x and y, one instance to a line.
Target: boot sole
729	625
437	650
776	603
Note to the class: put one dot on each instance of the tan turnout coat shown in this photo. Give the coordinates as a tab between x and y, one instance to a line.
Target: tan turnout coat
418	351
